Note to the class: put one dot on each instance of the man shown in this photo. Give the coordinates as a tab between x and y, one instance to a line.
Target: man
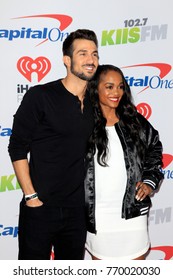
53	124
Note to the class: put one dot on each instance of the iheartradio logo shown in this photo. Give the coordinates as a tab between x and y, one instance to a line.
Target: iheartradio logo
144	109
26	66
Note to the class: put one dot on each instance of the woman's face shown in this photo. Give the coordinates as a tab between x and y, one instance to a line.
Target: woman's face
110	89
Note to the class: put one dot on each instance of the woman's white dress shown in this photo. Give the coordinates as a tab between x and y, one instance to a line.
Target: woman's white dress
116	238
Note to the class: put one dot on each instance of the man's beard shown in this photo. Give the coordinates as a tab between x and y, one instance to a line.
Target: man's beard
81	75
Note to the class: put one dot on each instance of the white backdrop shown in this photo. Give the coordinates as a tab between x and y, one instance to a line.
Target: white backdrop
136	36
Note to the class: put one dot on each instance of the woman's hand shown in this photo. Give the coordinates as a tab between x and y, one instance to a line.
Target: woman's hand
142	190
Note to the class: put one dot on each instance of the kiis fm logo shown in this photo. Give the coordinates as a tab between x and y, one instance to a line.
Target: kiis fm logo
153	82
134	31
26	66
9	183
54	34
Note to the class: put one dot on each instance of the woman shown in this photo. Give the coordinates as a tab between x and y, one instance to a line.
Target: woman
124	161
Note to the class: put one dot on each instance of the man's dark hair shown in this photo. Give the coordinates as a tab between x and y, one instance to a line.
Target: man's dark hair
86	34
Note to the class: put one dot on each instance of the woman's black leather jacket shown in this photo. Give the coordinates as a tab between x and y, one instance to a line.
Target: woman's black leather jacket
147	170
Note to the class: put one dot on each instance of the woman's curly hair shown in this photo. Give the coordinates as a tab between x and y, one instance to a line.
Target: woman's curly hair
126	112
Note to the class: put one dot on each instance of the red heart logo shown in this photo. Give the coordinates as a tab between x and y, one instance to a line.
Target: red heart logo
26	66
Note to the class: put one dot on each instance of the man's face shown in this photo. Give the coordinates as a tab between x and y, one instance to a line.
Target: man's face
84	61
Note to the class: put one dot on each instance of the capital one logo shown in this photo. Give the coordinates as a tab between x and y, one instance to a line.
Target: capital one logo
44	34
26	66
157	80
144	109
167	159
167	250
167	172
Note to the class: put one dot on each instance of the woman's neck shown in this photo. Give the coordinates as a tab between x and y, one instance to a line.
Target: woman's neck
111	117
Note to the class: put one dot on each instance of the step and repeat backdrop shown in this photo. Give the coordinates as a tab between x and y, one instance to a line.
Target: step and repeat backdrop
136	36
